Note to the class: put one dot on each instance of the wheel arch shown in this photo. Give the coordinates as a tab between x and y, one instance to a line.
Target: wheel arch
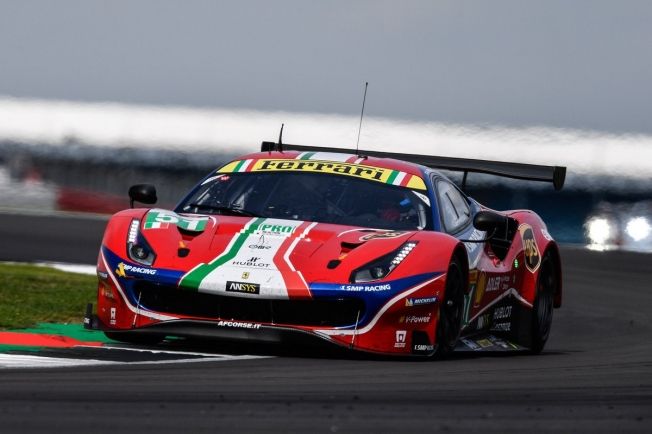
459	253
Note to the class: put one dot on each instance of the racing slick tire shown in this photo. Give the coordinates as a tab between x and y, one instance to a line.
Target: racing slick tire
543	305
134	338
451	311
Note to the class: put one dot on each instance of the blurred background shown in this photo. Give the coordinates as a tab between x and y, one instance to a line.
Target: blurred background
98	95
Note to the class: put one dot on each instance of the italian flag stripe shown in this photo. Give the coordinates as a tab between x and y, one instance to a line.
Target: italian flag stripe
193	279
392	177
399	178
306	156
239	165
294	282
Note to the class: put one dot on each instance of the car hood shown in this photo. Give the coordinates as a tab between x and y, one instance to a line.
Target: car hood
247	256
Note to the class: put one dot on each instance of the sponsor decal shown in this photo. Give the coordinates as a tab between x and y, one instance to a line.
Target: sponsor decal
423	197
489	284
382	235
410	302
469	343
483	321
414	319
423	348
475	236
530	248
244	287
503	312
276	229
502	327
162	219
123	269
113	315
400	338
245	275
473	276
479	289
260	246
499	342
107	293
493	284
102	275
467	309
366	288
253	262
238	325
370	173
484	343
120	271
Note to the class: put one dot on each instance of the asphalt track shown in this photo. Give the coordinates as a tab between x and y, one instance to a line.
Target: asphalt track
595	374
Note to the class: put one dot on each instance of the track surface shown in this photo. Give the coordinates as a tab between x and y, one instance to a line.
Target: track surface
594	376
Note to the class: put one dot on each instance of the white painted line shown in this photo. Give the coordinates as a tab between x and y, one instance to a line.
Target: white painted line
62	266
8	361
22	361
163	351
70	268
53	213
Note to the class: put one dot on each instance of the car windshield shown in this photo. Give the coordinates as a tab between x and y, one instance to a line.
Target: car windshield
313	197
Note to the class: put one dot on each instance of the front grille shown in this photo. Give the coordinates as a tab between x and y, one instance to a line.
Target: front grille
335	312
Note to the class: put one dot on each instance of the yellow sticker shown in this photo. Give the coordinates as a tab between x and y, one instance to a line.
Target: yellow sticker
378	174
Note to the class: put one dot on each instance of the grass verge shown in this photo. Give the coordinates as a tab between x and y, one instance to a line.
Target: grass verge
31	295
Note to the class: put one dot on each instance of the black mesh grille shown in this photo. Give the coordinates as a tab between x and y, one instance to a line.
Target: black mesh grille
321	312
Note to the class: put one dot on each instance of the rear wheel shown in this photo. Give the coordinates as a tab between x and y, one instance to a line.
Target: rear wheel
543	304
135	338
451	310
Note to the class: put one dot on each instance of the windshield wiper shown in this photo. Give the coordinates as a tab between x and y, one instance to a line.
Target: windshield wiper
224	209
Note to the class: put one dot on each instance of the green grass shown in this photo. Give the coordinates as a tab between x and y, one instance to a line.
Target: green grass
31	295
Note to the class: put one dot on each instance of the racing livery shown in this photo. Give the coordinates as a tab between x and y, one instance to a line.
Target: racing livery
377	254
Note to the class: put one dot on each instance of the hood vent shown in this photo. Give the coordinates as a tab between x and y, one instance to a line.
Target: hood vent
345	249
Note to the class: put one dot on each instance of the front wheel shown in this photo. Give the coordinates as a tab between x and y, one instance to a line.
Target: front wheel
543	305
451	310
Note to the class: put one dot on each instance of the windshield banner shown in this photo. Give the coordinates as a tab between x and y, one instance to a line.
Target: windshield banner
378	174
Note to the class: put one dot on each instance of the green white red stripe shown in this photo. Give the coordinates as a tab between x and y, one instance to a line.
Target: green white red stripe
259	254
243	166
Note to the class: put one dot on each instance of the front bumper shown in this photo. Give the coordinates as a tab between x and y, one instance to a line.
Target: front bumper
397	318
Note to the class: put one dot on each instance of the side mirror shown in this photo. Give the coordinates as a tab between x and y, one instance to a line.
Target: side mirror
490	221
501	230
143	193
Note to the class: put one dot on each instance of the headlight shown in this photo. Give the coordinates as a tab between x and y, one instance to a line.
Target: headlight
138	248
382	266
638	228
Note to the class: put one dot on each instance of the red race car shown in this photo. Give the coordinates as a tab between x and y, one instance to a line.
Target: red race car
367	250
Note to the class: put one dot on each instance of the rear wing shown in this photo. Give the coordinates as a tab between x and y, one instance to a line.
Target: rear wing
531	172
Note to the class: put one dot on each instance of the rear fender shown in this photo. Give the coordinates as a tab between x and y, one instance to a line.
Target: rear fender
553	250
543	245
